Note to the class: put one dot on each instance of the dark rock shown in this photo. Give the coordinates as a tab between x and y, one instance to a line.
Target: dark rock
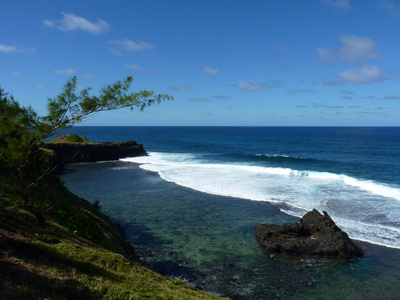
71	152
315	236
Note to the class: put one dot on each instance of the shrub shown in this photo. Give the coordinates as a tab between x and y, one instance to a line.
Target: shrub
74	138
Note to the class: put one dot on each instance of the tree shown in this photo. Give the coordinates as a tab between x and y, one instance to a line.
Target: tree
22	130
69	107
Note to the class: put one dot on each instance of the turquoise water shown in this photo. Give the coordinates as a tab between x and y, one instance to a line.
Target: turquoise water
208	240
188	211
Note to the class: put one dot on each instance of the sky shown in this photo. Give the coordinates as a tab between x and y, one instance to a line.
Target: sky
226	63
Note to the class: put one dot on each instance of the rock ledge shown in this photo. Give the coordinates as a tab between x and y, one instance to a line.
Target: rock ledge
315	236
90	152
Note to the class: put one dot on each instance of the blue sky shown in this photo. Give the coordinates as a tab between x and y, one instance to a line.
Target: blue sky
226	63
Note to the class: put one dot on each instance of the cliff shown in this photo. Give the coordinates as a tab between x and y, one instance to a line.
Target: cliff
72	152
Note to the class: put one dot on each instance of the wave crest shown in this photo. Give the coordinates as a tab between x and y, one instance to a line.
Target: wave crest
362	207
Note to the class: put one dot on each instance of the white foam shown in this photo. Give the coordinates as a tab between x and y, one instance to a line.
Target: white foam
360	207
375	188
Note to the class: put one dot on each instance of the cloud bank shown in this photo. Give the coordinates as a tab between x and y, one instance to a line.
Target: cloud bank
127	45
68	71
8	49
363	74
353	50
210	70
15	49
338	4
71	22
182	88
136	67
252	86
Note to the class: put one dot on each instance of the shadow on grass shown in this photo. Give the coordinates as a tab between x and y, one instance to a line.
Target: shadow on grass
25	268
18	282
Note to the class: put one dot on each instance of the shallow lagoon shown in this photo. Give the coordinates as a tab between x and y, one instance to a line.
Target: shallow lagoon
208	240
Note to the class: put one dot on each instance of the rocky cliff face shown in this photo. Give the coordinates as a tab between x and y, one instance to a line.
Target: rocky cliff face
315	236
75	152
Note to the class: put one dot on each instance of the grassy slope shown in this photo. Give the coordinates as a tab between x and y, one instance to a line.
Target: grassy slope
79	256
71	138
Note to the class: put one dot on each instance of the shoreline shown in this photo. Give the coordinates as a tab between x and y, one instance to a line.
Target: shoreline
192	244
79	253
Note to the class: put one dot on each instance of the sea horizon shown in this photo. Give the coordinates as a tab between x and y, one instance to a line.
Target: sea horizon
262	126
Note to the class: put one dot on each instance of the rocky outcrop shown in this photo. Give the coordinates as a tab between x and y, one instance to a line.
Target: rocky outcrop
91	152
315	236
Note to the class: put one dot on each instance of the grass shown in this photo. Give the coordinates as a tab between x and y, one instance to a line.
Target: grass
70	139
74	138
80	254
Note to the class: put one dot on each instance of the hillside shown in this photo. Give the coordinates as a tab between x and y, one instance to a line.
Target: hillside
79	254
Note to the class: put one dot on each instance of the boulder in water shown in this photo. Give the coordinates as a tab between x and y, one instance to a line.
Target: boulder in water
315	236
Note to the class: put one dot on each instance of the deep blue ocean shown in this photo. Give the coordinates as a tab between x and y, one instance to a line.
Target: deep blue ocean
191	206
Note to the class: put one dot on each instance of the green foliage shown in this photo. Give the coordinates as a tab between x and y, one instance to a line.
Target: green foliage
72	106
74	138
97	205
80	223
60	261
20	155
22	130
55	262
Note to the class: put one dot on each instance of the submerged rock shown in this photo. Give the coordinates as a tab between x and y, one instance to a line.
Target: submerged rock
315	236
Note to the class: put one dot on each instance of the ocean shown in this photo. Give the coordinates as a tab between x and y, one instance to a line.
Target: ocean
191	206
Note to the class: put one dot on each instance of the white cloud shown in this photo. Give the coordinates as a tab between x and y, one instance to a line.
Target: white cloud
363	74
275	82
198	99
326	106
392	8
14	49
325	54
347	92
353	50
68	71
338	4
88	76
71	22
182	88
300	91
9	49
333	82
281	48
49	23
252	86
222	97
392	97
210	70
128	45
17	74
39	86
136	67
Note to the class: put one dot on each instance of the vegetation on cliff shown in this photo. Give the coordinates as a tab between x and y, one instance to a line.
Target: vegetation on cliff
54	245
22	131
79	254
